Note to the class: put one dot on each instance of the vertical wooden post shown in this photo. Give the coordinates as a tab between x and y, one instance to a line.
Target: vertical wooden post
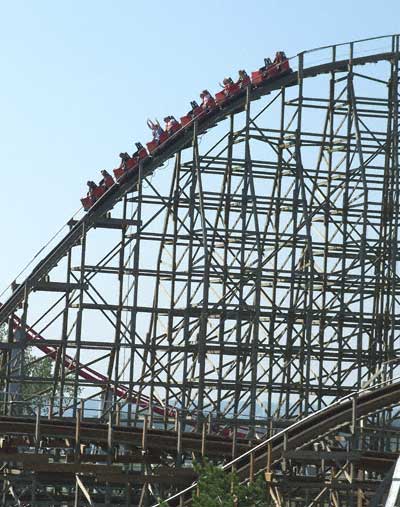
251	471
118	414
77	453
37	429
77	456
179	442
146	421
203	438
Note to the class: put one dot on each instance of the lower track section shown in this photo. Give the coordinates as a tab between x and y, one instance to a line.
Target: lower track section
341	452
60	462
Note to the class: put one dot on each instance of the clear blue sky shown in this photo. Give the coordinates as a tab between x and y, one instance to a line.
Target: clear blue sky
79	79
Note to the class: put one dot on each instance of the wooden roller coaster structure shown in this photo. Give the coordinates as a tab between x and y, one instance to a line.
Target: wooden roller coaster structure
232	304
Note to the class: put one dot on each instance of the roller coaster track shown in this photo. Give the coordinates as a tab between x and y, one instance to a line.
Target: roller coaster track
297	436
97	433
85	372
306	431
179	141
163	442
95	377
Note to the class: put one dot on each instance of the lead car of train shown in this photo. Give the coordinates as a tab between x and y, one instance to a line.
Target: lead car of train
271	70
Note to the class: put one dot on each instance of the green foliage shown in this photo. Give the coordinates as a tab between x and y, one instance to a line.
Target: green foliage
42	368
37	367
219	488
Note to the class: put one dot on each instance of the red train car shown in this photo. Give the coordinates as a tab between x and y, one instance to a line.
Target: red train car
131	164
271	70
229	91
196	113
87	203
118	172
153	145
98	192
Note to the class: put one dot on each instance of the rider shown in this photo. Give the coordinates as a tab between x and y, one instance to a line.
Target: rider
194	105
267	64
107	181
92	187
243	79
139	147
124	159
207	100
280	57
226	84
156	130
170	123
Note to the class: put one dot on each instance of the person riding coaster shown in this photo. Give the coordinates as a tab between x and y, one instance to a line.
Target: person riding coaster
124	159
92	186
170	123
281	62
207	100
267	64
139	148
280	57
226	85
90	198
243	79
156	129
107	181
138	155
194	105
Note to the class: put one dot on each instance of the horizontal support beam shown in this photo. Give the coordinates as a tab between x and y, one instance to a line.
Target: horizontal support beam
59	287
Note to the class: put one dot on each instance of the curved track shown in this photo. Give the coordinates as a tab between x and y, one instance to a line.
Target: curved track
305	432
118	445
92	432
115	193
172	446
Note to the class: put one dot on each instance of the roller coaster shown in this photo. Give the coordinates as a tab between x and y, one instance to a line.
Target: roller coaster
235	296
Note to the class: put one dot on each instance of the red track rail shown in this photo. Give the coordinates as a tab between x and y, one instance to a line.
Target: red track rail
94	376
86	372
101	206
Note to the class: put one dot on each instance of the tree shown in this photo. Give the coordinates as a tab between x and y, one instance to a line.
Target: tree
217	488
36	367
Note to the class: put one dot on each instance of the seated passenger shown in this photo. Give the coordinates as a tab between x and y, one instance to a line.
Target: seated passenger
280	57
139	147
156	130
124	159
194	105
207	100
244	79
267	63
226	84
107	181
92	186
170	123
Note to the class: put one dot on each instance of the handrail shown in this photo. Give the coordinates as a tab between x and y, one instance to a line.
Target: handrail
368	39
